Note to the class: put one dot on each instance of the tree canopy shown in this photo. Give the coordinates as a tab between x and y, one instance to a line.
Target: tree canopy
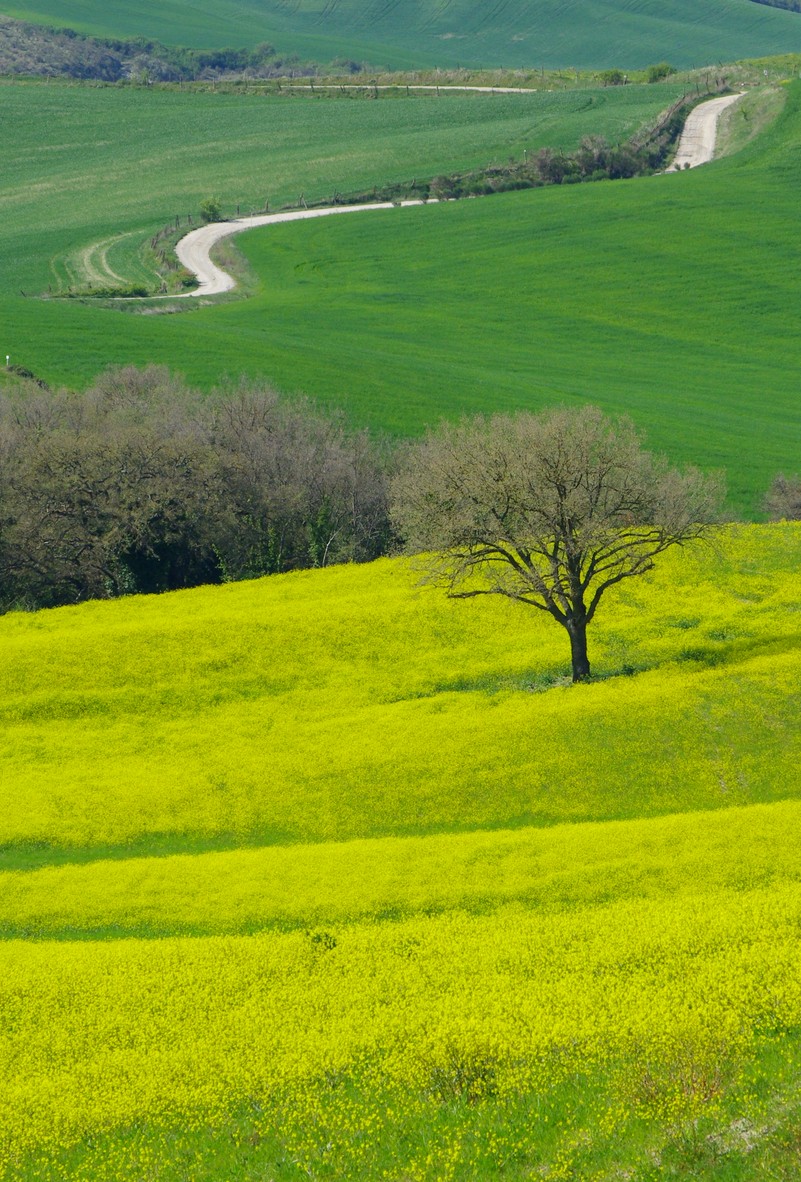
550	510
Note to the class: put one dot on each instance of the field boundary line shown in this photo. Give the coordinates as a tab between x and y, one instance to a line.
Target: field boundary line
368	86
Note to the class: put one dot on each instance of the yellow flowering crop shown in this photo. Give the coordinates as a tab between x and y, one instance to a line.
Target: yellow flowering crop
328	869
351	703
99	1035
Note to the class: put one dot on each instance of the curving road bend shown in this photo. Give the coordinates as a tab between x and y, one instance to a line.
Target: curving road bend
193	249
696	146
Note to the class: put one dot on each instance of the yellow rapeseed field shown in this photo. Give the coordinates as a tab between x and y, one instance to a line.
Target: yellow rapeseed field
325	876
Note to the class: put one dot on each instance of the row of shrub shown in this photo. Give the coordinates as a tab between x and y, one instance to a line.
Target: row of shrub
36	50
655	73
141	484
596	159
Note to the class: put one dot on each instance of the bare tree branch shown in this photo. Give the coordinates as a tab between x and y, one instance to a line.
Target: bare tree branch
550	510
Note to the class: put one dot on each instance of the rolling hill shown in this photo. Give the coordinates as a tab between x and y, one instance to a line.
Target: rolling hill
682	312
324	875
415	33
672	299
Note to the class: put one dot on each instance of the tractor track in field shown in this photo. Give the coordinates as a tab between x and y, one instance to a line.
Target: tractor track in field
696	146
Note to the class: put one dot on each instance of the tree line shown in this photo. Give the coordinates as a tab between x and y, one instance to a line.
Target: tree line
142	484
594	160
36	50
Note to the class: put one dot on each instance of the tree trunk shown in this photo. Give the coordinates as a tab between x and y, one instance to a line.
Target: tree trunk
577	630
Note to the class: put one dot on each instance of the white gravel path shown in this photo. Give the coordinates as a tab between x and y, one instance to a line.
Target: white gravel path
696	146
697	142
193	249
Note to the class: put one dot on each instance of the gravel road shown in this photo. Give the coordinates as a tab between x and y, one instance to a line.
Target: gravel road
697	142
193	249
696	146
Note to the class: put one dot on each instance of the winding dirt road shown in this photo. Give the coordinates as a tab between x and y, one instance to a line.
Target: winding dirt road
193	249
696	146
697	141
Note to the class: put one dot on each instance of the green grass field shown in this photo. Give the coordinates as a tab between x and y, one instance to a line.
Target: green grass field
326	876
110	166
676	294
467	32
671	299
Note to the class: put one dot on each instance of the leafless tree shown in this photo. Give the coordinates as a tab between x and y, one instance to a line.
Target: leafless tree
304	489
783	501
142	484
550	510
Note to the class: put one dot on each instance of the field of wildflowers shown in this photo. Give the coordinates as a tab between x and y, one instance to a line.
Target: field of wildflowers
325	876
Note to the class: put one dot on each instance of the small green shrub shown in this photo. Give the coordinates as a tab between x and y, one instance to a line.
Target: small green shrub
211	210
659	72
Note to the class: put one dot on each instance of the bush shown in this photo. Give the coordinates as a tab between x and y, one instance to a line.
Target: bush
659	71
783	501
211	210
142	485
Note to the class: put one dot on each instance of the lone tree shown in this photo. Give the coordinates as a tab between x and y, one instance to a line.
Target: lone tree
550	510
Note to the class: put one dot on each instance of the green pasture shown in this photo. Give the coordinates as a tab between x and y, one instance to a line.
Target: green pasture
671	299
668	298
108	165
97	170
325	876
465	32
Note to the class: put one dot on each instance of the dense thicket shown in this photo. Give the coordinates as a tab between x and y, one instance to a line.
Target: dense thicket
783	500
141	484
792	5
36	50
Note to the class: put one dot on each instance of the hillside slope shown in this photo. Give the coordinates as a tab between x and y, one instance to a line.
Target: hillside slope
672	299
282	893
263	713
593	33
681	313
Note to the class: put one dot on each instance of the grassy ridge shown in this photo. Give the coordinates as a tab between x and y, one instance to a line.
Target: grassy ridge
600	33
467	1003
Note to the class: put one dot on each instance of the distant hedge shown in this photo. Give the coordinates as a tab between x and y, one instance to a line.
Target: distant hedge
141	484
